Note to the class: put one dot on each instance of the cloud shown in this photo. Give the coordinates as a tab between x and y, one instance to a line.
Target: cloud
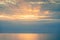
11	8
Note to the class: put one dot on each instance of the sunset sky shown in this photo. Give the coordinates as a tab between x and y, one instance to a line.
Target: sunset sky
36	17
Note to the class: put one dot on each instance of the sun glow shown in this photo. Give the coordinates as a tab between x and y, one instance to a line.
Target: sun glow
21	17
25	12
28	36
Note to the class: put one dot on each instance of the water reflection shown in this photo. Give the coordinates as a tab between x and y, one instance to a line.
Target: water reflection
27	36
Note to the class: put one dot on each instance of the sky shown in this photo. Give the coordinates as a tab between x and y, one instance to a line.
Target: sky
41	26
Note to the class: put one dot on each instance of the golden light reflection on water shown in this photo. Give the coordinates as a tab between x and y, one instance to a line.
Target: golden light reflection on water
28	36
24	36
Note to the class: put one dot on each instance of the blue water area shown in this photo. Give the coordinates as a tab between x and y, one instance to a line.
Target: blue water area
30	27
